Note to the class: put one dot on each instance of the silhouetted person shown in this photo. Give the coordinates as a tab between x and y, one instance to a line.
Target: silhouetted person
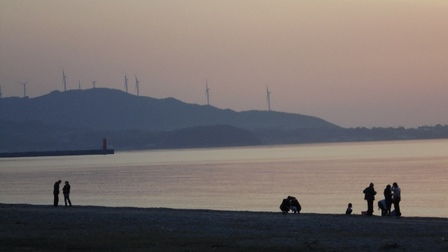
66	192
286	205
349	209
383	207
56	193
295	205
369	195
396	198
388	198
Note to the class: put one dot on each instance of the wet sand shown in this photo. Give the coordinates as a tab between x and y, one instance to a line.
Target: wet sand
94	228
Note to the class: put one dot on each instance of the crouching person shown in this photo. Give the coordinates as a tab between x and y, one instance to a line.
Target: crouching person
383	207
285	206
295	205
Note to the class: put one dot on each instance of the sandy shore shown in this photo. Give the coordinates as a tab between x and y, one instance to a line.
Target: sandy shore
43	228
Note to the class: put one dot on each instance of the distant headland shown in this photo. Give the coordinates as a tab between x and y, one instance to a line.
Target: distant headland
76	119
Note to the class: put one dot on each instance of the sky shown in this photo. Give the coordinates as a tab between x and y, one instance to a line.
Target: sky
369	63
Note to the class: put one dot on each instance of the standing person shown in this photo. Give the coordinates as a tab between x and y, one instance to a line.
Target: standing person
396	198
56	193
388	199
369	195
66	192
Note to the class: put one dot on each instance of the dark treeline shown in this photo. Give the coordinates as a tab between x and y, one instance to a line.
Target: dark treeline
17	137
35	136
314	135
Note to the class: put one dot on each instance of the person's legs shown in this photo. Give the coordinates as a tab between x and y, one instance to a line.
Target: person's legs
397	207
369	207
56	199
67	199
388	205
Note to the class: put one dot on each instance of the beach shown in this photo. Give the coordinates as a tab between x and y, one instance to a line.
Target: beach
94	228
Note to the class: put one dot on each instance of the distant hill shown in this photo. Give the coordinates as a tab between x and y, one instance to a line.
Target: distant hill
110	109
80	119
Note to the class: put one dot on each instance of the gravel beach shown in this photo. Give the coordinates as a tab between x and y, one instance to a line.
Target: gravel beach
94	228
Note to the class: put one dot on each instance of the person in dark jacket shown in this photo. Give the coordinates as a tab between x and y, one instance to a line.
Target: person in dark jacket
56	193
369	195
286	205
66	192
388	199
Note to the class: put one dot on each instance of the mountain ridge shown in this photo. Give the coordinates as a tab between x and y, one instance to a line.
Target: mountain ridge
80	119
110	109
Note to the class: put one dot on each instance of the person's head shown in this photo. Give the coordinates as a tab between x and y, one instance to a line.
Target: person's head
349	204
395	184
59	181
371	184
66	182
388	186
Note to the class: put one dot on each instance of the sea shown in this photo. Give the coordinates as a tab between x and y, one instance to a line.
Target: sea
323	177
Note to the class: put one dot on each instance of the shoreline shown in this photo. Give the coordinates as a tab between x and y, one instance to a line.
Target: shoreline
56	153
44	227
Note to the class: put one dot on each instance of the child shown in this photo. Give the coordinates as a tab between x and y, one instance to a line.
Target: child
349	209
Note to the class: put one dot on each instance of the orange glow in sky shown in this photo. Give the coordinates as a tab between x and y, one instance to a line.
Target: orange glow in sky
372	63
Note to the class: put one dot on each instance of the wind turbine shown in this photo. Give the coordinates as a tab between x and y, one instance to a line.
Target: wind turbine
207	92
24	87
64	80
126	83
136	85
268	98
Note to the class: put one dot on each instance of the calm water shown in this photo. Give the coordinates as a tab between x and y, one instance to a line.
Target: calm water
324	177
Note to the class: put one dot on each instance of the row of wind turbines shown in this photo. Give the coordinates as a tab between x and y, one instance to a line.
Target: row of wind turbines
268	95
137	89
137	82
64	83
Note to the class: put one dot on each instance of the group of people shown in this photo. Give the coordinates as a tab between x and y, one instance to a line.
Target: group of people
290	204
392	195
65	191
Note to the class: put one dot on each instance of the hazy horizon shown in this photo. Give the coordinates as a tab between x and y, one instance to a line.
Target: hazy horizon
353	63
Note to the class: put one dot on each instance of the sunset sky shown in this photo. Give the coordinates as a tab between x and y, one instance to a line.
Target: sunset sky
369	63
